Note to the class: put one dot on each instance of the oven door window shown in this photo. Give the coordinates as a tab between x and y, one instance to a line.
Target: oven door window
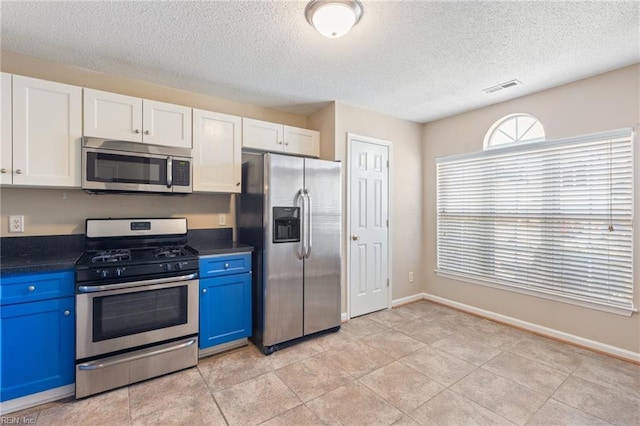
103	167
138	312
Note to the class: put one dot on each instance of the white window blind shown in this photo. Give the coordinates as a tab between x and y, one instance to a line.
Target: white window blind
552	217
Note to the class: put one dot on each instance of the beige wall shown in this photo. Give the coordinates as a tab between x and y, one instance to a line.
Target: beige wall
604	102
324	121
405	190
52	211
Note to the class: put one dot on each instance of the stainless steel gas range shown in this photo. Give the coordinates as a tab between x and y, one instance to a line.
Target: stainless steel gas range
136	302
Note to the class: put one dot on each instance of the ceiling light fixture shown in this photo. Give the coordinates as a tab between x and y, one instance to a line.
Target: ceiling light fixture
333	18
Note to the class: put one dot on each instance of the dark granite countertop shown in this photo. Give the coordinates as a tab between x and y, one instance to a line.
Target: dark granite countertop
20	255
211	242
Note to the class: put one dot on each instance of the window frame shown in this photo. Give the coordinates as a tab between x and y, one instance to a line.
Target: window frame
500	122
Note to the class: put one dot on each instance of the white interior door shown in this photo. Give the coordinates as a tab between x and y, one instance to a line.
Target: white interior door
369	231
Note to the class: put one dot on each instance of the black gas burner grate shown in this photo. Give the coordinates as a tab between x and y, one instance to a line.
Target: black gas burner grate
121	255
169	252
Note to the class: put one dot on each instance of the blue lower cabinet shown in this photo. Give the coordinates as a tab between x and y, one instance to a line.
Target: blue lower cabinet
38	345
225	309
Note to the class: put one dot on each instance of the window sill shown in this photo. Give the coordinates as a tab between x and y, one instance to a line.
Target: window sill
627	312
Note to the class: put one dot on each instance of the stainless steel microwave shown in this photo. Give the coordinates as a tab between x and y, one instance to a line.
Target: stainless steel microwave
119	166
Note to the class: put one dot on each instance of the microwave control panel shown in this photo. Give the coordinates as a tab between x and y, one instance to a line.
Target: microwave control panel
181	173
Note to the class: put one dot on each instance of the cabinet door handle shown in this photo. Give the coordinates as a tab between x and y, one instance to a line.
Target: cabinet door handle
3	170
67	312
204	291
286	143
31	288
226	266
136	131
238	184
146	132
18	171
279	142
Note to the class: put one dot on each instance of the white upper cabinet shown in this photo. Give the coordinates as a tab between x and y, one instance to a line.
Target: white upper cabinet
265	136
112	116
47	128
301	141
120	117
217	162
166	124
6	153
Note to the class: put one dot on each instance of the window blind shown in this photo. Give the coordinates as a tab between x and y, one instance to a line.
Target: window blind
551	217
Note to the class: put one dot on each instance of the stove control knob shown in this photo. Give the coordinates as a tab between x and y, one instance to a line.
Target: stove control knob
178	266
168	267
119	272
104	273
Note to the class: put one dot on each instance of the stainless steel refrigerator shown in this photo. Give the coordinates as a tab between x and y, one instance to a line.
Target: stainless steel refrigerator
290	211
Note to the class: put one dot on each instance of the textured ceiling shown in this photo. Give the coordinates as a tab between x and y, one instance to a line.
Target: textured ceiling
417	60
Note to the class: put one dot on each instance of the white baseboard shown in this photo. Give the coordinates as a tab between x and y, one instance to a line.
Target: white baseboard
28	401
408	299
549	332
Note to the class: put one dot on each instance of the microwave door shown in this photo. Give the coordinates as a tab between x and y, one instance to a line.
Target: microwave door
125	171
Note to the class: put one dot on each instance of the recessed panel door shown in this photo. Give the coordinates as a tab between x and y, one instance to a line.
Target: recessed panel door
369	207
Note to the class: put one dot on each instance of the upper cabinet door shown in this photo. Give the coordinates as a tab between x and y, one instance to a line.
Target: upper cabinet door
6	154
262	135
217	162
301	141
112	116
47	127
166	124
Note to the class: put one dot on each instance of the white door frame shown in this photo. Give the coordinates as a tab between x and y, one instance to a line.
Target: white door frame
351	137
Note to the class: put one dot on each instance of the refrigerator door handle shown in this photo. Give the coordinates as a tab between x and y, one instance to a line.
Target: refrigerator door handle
301	247
308	224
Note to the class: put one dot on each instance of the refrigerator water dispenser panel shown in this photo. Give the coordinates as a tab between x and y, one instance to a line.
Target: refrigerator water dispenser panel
286	224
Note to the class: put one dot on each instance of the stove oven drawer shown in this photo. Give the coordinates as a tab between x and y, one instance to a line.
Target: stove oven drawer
32	287
226	264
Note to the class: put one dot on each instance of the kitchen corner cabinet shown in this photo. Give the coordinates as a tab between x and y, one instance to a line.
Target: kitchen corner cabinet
41	132
265	136
37	333
126	118
225	299
217	161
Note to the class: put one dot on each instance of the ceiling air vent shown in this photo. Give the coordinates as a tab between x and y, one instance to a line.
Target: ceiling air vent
501	86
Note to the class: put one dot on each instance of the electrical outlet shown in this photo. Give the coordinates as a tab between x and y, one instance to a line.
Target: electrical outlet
222	219
410	277
16	223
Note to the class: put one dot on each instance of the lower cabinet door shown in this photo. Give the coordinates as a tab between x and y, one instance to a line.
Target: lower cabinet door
38	347
225	309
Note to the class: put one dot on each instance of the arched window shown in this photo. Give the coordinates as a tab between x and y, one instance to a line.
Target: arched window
514	128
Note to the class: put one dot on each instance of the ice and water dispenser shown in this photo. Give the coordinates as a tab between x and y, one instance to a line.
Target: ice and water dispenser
286	224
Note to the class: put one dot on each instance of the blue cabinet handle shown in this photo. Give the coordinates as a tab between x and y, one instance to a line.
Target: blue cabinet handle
31	288
226	266
204	290
67	312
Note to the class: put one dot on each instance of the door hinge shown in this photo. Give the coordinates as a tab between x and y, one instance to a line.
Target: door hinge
387	282
387	223
387	164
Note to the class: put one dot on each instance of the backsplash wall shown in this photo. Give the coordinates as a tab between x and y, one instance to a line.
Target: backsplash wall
64	211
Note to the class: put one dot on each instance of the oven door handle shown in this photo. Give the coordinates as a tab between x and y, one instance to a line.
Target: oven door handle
96	365
96	288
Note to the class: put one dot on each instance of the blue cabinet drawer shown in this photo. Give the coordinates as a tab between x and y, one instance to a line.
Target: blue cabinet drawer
33	287
214	266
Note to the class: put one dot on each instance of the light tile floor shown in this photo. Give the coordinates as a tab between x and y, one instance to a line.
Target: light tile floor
422	364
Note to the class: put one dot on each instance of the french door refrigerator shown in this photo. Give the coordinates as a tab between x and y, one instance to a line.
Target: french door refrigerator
290	211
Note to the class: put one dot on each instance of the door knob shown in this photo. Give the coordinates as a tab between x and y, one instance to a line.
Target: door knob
355	237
